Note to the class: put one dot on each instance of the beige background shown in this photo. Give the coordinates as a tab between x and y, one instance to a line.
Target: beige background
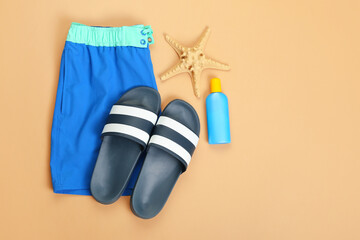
292	169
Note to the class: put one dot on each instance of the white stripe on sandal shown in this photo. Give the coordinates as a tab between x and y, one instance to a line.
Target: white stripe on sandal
172	146
128	130
134	112
180	128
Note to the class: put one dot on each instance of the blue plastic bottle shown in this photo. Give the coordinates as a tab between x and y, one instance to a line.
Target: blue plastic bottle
217	113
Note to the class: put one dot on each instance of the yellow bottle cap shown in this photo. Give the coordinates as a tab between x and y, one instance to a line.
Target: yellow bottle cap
215	85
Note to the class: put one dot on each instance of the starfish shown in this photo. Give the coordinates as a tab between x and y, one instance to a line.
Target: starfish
192	60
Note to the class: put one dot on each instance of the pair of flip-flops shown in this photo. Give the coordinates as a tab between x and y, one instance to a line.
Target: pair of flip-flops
132	127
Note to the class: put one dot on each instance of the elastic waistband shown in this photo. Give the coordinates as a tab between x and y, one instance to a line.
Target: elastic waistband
134	36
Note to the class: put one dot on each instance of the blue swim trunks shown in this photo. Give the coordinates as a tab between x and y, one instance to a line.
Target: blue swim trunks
98	65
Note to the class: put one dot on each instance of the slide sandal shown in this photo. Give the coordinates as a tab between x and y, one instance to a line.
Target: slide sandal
169	152
124	137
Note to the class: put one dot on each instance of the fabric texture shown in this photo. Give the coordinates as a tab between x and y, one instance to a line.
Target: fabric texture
98	65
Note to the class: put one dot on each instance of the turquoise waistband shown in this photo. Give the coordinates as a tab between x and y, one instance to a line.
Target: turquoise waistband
134	36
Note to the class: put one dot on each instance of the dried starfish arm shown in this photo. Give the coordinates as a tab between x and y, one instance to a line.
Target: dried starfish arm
173	71
200	44
211	63
196	82
175	45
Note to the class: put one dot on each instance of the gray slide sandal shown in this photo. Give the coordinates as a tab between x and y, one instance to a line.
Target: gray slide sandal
124	137
169	152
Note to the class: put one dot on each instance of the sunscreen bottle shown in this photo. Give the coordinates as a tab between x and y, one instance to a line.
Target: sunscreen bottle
217	113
